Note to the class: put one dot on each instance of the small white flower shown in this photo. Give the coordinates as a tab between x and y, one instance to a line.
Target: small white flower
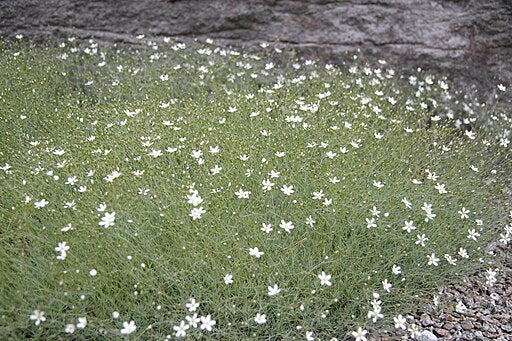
400	322
287	190
193	320
433	260
40	204
287	226
260	318
267	228
128	328
378	184
192	305
272	291
181	330
38	317
325	279
108	219
359	334
387	286
228	279
207	323
82	322
256	252
409	226
70	328
196	213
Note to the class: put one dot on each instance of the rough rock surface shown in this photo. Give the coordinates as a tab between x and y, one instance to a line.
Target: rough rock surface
471	39
486	312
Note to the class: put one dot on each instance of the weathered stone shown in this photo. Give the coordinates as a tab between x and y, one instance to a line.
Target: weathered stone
466	325
426	320
448	326
426	336
468	39
478	335
507	328
441	332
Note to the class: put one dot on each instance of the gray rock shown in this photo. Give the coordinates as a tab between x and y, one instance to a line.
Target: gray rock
479	335
426	320
470	39
426	336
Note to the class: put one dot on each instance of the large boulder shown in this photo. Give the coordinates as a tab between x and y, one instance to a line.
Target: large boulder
470	39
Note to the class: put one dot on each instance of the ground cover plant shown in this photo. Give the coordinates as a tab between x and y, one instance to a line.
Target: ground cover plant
170	190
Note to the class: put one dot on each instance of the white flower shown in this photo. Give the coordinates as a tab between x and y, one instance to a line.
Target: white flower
370	223
310	221
463	253
193	320
287	226
375	314
325	279
274	174
207	323
359	334
108	219
228	279
128	328
433	260
181	330
272	291
215	170
241	194
214	149
450	259
463	213
256	252
409	226
82	322
422	239
71	180
397	270
375	212
40	204
38	317
387	286
155	153
267	185
260	318
399	322
194	199
441	188
407	203
93	272
287	190
378	184
318	195
192	305
472	234
62	247
267	228
70	328
196	213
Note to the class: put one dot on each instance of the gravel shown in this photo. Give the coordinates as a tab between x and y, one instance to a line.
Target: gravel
486	312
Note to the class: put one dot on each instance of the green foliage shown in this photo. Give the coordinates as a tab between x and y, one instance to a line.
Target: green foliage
138	127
